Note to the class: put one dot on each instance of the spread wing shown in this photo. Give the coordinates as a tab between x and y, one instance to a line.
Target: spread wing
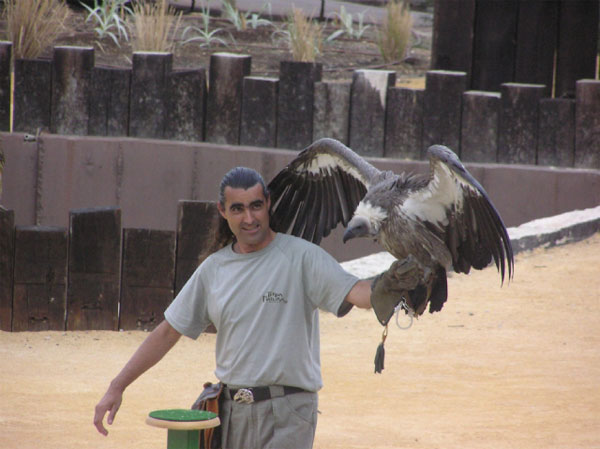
319	188
458	209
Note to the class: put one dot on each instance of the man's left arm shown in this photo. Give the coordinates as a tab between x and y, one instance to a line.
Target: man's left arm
360	295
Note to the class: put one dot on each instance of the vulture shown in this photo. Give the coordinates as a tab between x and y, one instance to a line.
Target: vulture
435	223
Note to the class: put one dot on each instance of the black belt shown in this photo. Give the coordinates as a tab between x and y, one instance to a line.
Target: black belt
256	394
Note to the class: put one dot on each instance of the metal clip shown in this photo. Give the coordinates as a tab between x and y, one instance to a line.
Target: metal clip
244	396
410	312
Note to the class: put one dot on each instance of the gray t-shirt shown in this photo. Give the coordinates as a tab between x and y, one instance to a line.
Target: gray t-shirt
264	306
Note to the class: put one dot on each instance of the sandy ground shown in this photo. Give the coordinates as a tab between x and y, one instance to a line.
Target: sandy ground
510	367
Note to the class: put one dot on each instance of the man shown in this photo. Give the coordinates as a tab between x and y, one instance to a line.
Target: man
262	291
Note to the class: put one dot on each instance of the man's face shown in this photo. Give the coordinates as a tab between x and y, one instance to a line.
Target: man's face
247	213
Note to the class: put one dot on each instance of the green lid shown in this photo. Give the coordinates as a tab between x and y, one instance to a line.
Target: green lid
181	414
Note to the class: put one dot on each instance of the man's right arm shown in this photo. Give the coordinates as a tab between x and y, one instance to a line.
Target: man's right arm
153	349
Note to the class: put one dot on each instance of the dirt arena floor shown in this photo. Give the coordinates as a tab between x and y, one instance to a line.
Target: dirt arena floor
510	367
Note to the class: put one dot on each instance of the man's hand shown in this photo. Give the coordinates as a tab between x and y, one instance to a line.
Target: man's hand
154	347
109	403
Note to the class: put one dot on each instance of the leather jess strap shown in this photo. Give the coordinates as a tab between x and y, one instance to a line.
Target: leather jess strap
263	393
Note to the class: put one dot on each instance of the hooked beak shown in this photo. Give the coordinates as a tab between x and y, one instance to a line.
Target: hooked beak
348	234
358	227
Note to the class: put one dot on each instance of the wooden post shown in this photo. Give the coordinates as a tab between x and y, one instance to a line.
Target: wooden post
479	130
109	107
148	277
224	109
7	254
186	105
94	269
295	103
577	44
5	61
556	135
32	95
195	224
259	112
367	111
453	31
587	124
331	115
71	88
149	87
536	43
40	290
494	47
517	138
442	108
404	123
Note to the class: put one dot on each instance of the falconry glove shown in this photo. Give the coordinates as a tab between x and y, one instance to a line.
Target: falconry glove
393	285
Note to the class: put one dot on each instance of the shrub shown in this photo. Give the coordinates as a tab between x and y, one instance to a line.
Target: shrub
106	16
394	35
203	35
34	25
241	20
345	23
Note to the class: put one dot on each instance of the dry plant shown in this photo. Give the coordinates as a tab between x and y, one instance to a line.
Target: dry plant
394	35
153	26
34	25
304	36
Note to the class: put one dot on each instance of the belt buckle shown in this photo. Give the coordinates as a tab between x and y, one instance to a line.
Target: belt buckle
244	396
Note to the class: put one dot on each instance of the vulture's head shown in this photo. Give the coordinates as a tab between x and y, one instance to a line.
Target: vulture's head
366	221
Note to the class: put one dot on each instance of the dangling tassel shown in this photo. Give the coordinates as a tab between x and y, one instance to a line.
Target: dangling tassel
380	354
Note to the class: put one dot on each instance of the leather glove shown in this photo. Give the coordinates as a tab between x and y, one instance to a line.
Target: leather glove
391	286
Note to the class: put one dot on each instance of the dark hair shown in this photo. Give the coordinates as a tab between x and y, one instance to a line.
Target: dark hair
236	178
241	178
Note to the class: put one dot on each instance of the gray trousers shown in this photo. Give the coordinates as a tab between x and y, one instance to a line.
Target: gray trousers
284	422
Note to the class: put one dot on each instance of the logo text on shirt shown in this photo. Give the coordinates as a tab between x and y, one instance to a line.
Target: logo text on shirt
274	298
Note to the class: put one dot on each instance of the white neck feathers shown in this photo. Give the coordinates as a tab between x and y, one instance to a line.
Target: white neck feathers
374	214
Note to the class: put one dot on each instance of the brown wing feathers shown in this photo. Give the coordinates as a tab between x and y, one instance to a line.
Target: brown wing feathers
477	235
308	201
312	205
475	232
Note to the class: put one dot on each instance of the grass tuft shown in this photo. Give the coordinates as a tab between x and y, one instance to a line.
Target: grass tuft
34	25
304	37
394	34
153	26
